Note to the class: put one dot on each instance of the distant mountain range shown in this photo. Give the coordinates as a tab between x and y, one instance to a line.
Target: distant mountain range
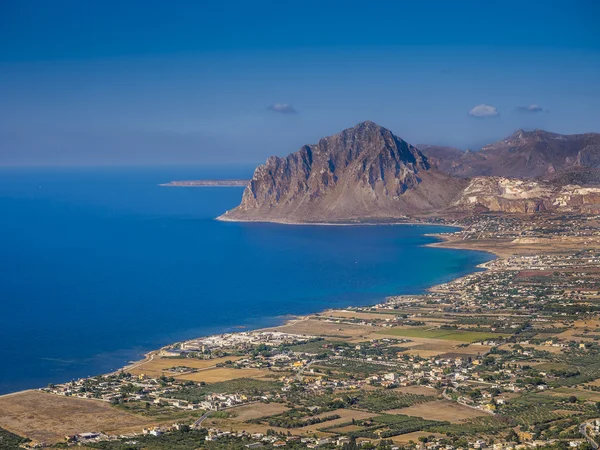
524	154
366	173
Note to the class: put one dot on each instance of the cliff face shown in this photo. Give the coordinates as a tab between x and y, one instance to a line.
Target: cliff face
589	157
364	172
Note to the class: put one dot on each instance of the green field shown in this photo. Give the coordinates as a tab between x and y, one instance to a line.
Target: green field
9	440
437	333
551	366
581	394
196	393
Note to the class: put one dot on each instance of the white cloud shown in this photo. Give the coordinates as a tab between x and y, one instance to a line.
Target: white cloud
533	108
284	108
483	110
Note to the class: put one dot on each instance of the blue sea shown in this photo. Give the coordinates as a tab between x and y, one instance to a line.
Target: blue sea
100	265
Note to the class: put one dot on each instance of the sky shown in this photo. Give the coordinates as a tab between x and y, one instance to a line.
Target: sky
188	82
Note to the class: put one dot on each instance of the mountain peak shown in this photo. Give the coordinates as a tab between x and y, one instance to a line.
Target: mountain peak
517	134
368	126
536	133
361	171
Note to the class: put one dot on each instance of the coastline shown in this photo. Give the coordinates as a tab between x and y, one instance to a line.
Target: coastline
299	318
439	327
287	320
374	223
446	242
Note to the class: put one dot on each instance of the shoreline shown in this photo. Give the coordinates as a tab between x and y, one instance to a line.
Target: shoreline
335	224
299	318
148	356
445	242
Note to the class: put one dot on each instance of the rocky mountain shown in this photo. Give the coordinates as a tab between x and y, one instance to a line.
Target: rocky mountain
367	173
584	170
442	157
584	176
524	154
364	172
588	157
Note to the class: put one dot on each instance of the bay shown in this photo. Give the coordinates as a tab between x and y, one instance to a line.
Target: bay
100	265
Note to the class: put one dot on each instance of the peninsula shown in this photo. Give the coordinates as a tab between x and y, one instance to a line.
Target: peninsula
206	183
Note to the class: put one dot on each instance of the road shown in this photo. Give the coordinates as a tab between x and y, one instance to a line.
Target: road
583	431
204	416
301	371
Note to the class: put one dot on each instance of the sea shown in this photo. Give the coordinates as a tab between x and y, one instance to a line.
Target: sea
101	265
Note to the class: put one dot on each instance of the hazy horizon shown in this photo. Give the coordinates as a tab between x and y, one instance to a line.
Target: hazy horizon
114	84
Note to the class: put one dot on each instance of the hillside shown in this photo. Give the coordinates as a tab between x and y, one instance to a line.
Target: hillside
364	172
524	154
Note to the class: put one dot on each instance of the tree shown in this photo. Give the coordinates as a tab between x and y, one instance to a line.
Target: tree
512	436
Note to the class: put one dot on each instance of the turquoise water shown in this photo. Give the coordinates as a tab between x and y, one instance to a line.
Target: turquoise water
98	266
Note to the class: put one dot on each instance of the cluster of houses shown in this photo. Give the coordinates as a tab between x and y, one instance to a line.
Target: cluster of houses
235	341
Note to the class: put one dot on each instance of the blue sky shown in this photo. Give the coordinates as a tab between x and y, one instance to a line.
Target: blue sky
132	82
